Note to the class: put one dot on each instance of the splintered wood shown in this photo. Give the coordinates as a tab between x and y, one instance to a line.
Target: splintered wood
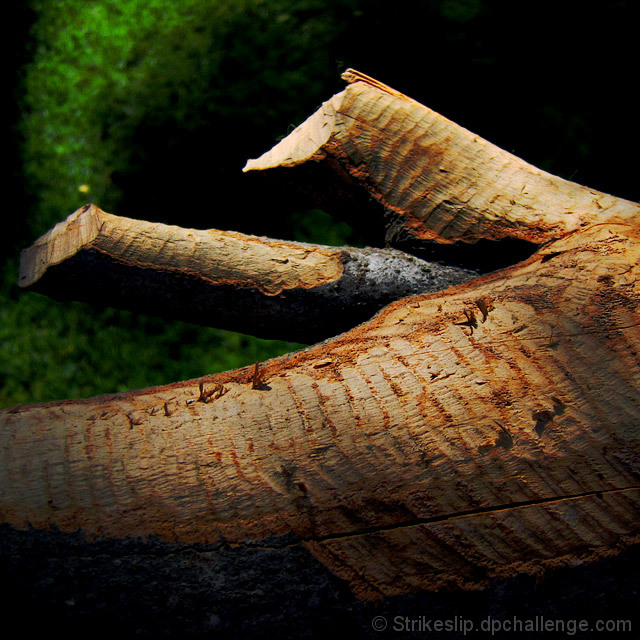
477	433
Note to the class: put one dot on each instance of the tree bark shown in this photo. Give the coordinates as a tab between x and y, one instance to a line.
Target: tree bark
269	288
462	439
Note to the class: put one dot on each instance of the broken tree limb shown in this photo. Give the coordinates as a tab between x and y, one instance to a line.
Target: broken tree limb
457	437
270	288
465	438
436	180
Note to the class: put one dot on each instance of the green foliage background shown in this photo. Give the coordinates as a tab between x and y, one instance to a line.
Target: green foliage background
149	108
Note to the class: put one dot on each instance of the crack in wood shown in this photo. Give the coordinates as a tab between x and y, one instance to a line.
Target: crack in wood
447	517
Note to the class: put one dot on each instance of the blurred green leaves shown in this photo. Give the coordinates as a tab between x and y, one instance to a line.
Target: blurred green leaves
151	108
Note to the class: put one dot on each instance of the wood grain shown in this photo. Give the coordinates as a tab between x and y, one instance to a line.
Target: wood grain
480	432
440	181
220	257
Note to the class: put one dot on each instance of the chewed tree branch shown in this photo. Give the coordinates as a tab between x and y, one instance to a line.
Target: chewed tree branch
269	288
457	437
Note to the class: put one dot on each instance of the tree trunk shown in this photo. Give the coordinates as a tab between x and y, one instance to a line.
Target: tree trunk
463	439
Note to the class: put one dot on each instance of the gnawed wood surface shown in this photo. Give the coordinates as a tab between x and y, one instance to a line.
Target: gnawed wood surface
221	257
438	180
271	288
481	432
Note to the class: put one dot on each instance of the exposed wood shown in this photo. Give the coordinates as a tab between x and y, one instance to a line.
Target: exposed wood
461	439
437	180
270	288
481	432
220	257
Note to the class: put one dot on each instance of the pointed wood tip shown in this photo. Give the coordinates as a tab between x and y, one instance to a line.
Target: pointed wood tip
307	140
304	143
59	243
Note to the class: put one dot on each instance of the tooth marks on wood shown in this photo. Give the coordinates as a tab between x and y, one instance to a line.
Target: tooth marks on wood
260	286
424	168
350	445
